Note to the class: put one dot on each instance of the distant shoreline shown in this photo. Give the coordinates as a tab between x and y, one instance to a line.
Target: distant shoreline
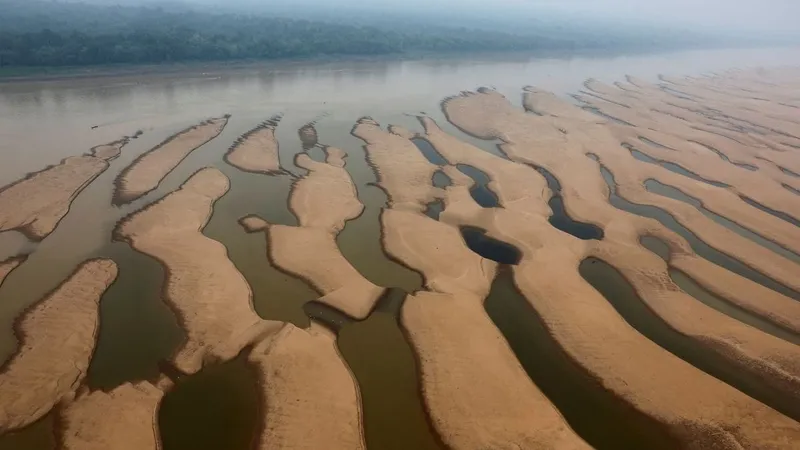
48	74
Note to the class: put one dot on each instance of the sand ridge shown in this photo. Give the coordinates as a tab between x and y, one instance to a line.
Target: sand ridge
209	294
35	205
214	303
122	419
549	271
57	338
148	170
472	406
584	189
323	201
257	150
408	183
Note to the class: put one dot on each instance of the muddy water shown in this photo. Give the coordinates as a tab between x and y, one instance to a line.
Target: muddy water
696	290
43	122
672	167
385	367
701	248
623	297
594	413
217	407
673	193
779	214
560	219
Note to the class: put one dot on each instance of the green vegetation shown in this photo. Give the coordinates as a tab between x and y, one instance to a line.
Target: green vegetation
51	34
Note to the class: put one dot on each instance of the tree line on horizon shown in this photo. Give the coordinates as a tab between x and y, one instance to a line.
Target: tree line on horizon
42	34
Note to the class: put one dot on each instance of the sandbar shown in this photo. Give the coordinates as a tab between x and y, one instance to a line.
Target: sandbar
257	150
57	338
36	204
122	419
146	172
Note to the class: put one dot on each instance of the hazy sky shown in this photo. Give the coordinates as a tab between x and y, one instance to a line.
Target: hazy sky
750	14
744	15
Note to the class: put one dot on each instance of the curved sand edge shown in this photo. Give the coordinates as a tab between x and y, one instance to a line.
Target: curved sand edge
257	150
213	301
8	266
311	400
122	419
323	200
640	388
473	406
210	296
585	195
57	337
36	204
147	171
408	182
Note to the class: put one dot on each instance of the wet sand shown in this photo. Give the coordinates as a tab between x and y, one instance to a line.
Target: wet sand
147	171
57	338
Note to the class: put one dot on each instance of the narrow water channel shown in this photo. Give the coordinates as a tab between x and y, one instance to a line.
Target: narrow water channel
672	167
701	248
385	366
488	247
779	214
596	414
215	408
40	435
696	290
790	189
480	192
725	158
623	297
560	219
137	328
662	189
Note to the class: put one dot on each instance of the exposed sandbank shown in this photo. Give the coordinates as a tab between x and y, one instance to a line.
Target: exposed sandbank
535	139
57	338
146	172
257	150
491	404
122	419
203	286
36	204
310	397
323	201
408	184
213	300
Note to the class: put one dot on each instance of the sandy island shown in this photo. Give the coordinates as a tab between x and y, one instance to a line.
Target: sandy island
36	204
257	150
146	172
214	302
57	338
323	201
549	272
473	406
122	419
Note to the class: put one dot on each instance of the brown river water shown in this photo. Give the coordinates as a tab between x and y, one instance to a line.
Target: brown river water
42	122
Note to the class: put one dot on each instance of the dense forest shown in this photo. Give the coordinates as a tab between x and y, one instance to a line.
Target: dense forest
36	33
